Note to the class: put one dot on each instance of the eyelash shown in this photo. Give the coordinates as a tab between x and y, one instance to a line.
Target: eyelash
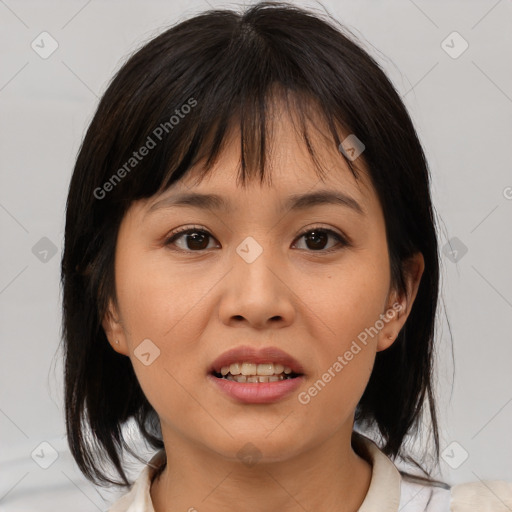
196	229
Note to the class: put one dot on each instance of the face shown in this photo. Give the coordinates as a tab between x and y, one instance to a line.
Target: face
312	282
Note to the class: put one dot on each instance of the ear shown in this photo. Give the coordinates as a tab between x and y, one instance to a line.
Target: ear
114	329
398	306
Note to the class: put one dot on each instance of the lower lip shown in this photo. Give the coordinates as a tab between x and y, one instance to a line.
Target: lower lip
257	392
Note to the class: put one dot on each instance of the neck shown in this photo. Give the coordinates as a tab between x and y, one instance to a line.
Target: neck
330	477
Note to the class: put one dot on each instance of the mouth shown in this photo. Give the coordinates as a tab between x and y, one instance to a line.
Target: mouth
247	382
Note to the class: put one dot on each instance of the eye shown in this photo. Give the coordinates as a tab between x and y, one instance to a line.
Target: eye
194	236
195	239
316	238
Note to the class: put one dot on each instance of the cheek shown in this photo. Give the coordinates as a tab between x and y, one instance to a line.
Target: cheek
157	298
344	353
162	303
346	298
347	302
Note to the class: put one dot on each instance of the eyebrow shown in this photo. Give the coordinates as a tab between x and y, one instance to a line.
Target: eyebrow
294	202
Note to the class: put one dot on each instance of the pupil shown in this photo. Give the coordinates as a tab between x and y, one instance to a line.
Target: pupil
314	235
193	236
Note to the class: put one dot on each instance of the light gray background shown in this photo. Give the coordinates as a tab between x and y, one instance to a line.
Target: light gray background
462	108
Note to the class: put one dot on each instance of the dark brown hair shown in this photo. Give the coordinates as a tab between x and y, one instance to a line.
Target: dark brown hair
227	67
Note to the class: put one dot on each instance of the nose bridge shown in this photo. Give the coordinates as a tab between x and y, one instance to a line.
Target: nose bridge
253	263
255	290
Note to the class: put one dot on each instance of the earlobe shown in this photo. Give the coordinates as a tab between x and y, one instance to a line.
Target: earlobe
386	343
394	318
392	327
390	320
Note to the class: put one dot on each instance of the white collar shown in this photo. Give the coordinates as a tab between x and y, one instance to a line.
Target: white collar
383	494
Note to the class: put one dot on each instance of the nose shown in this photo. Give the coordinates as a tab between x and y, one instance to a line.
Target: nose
257	290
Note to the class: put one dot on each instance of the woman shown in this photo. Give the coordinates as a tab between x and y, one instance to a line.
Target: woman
251	273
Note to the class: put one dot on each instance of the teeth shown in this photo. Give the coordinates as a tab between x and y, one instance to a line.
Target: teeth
257	378
269	369
249	369
252	369
235	369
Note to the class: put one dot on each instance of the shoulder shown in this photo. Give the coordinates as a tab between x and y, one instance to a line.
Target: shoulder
480	496
404	491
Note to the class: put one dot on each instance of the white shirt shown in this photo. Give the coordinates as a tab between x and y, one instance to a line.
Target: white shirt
388	491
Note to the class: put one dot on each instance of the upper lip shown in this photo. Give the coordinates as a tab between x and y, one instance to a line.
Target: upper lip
247	354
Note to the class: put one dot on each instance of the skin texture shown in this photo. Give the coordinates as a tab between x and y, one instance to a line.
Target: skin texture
194	306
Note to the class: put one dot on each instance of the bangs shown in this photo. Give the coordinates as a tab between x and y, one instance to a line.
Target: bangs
251	119
236	83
